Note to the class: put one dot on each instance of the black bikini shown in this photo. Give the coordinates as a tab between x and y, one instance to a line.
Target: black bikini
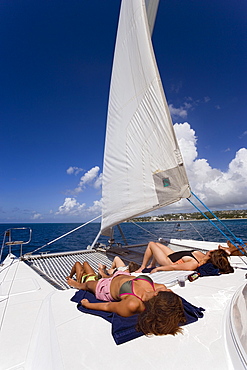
175	256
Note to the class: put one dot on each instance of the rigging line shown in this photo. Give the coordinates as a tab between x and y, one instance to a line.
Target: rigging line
222	232
197	231
62	236
239	240
144	229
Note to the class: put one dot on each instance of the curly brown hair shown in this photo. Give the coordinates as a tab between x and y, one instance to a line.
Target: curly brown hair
219	258
162	315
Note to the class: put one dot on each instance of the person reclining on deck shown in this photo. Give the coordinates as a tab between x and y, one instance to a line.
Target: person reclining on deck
232	250
117	265
160	310
83	272
183	260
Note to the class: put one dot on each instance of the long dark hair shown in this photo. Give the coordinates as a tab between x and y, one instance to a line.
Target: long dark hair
219	258
162	315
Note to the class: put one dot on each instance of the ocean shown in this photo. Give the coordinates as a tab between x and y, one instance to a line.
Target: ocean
42	233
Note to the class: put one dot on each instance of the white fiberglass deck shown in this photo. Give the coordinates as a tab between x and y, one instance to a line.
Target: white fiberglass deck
42	329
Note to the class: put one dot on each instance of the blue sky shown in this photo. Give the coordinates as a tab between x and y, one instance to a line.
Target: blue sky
54	79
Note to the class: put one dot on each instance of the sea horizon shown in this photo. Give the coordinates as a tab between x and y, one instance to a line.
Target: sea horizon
44	234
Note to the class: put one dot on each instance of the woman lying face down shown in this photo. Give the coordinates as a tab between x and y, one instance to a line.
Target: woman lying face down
160	311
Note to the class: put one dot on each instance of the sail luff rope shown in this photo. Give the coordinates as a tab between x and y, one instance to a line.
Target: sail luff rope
62	236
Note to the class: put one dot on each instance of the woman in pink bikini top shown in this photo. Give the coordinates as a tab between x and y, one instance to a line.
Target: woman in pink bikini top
160	311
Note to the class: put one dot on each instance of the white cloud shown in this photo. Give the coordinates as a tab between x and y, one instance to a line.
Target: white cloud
98	181
177	87
189	104
90	177
218	189
213	186
71	207
36	216
178	112
187	142
243	134
96	207
73	170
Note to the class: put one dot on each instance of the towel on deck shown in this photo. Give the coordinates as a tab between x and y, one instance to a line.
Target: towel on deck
123	328
208	269
147	270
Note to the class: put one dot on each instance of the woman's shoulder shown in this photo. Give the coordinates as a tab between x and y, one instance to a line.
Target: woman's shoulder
134	304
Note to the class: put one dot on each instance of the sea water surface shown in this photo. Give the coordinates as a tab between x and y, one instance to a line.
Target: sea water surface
43	233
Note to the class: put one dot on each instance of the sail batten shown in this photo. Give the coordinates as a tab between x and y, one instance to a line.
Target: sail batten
143	167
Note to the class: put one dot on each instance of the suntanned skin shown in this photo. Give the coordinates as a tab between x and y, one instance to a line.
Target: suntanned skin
80	270
117	262
128	305
159	254
232	250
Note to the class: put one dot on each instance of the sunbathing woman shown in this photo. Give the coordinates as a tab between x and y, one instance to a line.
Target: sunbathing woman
83	272
183	260
234	250
160	310
117	265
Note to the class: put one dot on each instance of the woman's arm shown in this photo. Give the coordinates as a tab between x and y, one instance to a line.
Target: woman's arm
126	307
186	266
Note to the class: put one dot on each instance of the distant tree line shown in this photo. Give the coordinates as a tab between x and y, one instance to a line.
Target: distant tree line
192	216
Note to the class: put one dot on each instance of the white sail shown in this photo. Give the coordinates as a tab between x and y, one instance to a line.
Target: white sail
143	167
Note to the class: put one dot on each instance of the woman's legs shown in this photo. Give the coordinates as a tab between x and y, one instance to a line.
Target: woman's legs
80	270
117	262
158	252
88	285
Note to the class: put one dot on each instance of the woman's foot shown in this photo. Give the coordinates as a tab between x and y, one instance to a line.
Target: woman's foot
73	283
103	272
140	269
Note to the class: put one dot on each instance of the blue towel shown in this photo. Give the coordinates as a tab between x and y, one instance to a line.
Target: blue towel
208	269
123	328
148	269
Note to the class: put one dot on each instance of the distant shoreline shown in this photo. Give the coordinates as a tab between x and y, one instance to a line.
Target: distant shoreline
190	220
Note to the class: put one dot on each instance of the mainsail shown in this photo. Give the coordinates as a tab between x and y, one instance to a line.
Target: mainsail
143	167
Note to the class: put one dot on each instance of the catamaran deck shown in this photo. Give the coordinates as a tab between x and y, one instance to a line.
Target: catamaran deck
50	333
55	267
